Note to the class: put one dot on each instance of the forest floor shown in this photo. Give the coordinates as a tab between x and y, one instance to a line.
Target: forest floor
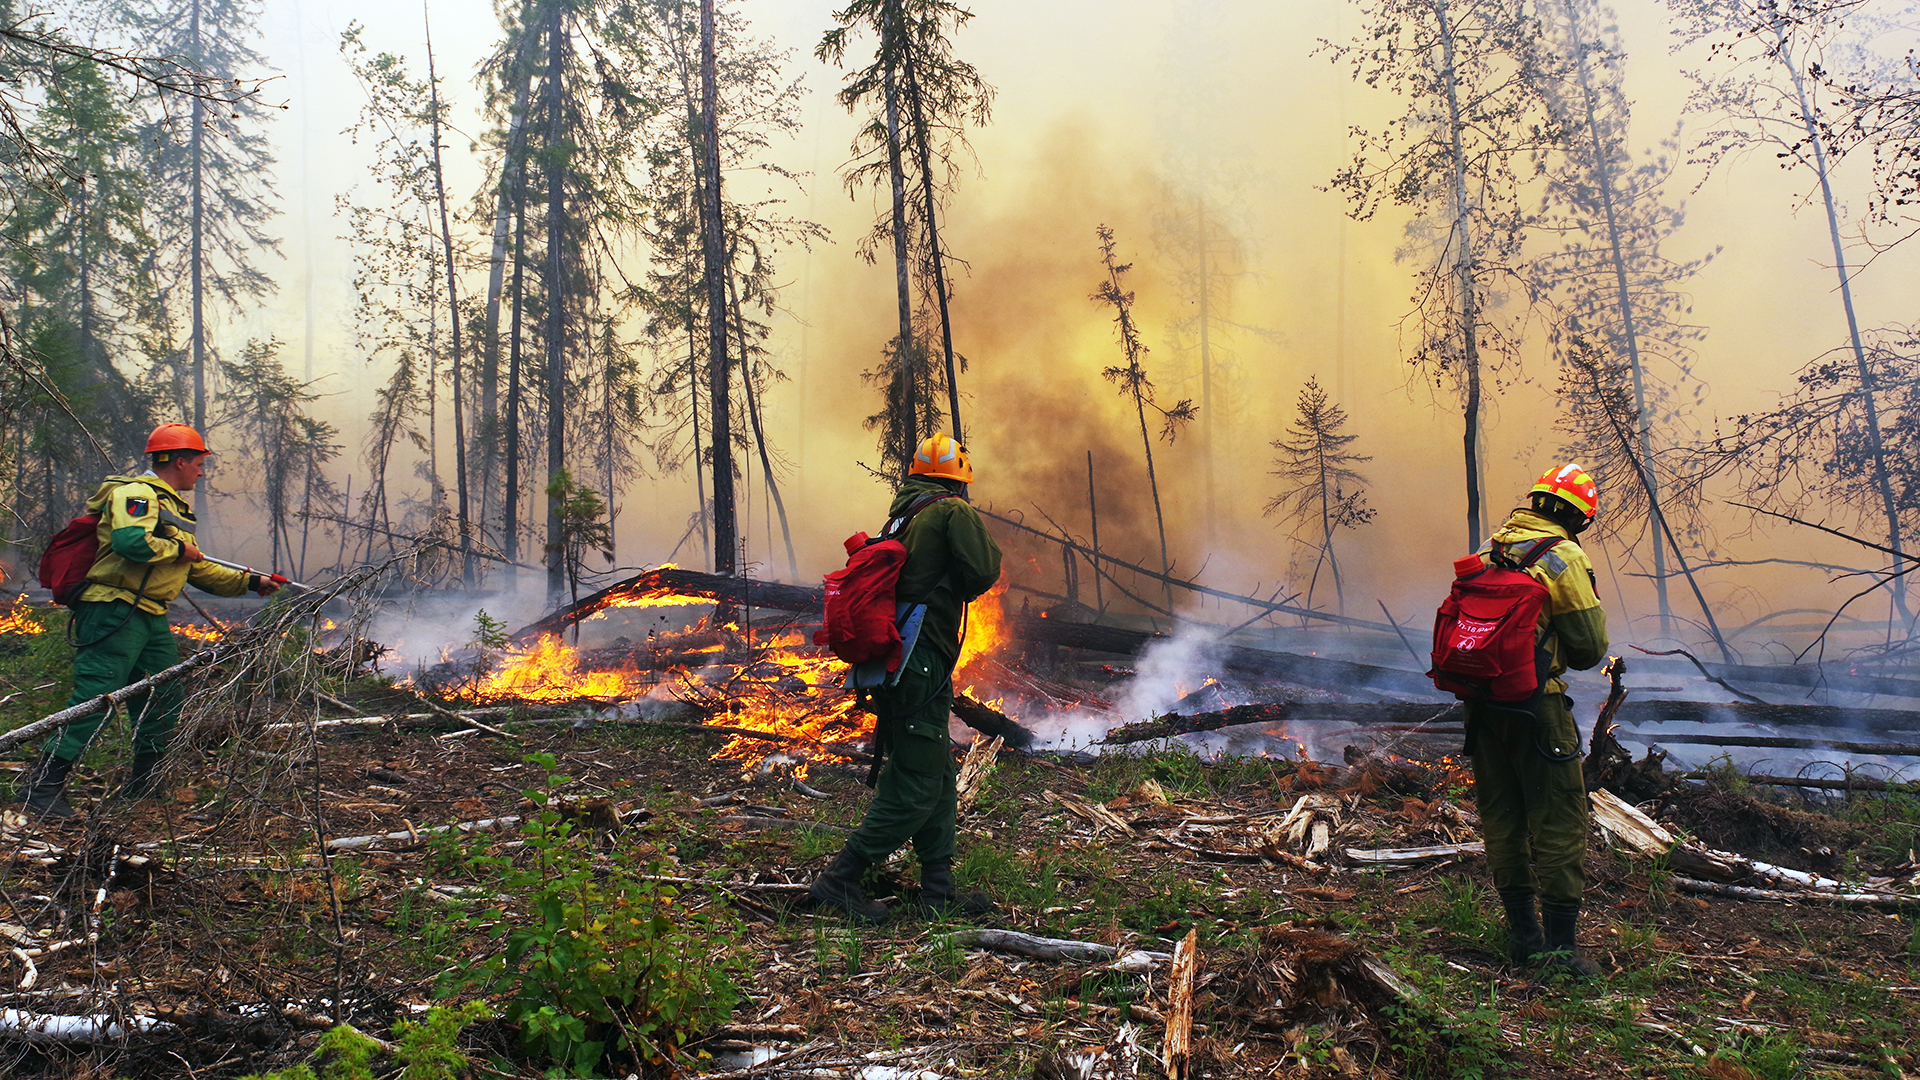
238	938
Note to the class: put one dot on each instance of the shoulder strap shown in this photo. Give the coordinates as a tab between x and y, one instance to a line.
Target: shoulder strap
1540	548
898	525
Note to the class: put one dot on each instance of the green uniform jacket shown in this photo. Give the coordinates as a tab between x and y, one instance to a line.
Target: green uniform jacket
143	523
1573	628
950	561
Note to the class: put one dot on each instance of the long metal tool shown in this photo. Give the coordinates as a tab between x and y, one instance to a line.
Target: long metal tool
290	583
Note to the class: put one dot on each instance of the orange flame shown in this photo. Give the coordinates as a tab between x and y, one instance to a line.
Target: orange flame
19	619
986	626
196	632
550	671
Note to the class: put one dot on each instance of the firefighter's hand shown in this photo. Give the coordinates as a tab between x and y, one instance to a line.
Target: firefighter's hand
189	552
269	583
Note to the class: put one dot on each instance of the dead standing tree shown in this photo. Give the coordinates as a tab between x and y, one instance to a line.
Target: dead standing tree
1475	132
1769	97
1616	288
1318	479
1133	382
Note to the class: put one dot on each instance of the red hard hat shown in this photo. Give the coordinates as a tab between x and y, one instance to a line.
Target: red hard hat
175	437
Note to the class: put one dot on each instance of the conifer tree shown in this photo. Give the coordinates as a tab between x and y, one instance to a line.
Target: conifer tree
1134	383
212	184
284	447
918	100
1318	479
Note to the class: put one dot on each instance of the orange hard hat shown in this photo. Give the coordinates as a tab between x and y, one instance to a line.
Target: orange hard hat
1571	484
175	437
939	455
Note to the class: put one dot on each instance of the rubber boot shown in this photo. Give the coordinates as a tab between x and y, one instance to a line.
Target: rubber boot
1524	939
45	794
937	900
1562	955
839	889
146	769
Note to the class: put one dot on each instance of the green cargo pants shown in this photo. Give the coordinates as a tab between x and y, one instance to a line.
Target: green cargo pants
117	648
916	800
1532	797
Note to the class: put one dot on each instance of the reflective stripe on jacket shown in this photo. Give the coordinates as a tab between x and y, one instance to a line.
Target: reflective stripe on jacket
143	523
1572	623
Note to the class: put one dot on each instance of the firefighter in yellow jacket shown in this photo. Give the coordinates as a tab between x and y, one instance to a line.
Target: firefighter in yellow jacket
1526	759
147	555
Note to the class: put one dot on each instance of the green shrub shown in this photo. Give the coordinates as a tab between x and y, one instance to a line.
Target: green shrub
424	1051
607	961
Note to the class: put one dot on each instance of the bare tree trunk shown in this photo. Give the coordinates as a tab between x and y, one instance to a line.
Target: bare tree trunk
759	431
1463	271
922	139
453	322
1881	479
1206	368
725	540
1153	484
197	181
556	304
905	355
489	433
510	492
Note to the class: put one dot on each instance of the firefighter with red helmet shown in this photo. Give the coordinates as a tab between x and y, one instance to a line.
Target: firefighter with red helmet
1526	759
951	560
147	555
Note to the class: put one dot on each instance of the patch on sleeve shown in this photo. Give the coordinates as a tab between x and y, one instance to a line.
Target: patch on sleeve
1554	563
136	507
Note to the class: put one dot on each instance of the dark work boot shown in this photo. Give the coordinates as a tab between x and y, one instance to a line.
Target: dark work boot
1562	955
1524	939
839	888
937	900
146	769
44	794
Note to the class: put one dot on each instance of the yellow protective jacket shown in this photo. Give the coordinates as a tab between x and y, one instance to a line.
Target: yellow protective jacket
1573	627
143	523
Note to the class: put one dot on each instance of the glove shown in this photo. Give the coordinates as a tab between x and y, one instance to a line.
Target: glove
267	584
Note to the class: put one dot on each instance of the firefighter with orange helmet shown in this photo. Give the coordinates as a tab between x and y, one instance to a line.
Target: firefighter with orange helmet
147	555
1526	759
951	560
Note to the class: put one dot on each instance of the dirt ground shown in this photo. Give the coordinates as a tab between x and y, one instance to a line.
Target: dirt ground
230	933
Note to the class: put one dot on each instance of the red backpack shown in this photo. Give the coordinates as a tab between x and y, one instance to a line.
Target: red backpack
1486	633
859	625
70	555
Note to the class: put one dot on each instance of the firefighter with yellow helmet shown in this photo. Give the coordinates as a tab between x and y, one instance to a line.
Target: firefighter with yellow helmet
147	555
951	560
1526	759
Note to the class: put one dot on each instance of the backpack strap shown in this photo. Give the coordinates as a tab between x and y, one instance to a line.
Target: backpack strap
896	526
1502	553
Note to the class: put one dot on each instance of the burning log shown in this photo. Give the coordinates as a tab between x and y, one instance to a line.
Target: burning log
991	722
1848	784
1359	715
1291	667
668	583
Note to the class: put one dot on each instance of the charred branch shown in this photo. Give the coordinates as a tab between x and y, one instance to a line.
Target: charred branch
1369	715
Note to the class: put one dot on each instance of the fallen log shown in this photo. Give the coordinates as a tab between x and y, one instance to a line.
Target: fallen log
672	581
991	722
1358	714
1641	713
1411	856
1797	896
1340	675
1773	742
1847	784
1045	948
414	837
117	698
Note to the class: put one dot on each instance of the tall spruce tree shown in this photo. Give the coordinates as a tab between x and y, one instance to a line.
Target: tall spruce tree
918	100
1319	484
213	196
